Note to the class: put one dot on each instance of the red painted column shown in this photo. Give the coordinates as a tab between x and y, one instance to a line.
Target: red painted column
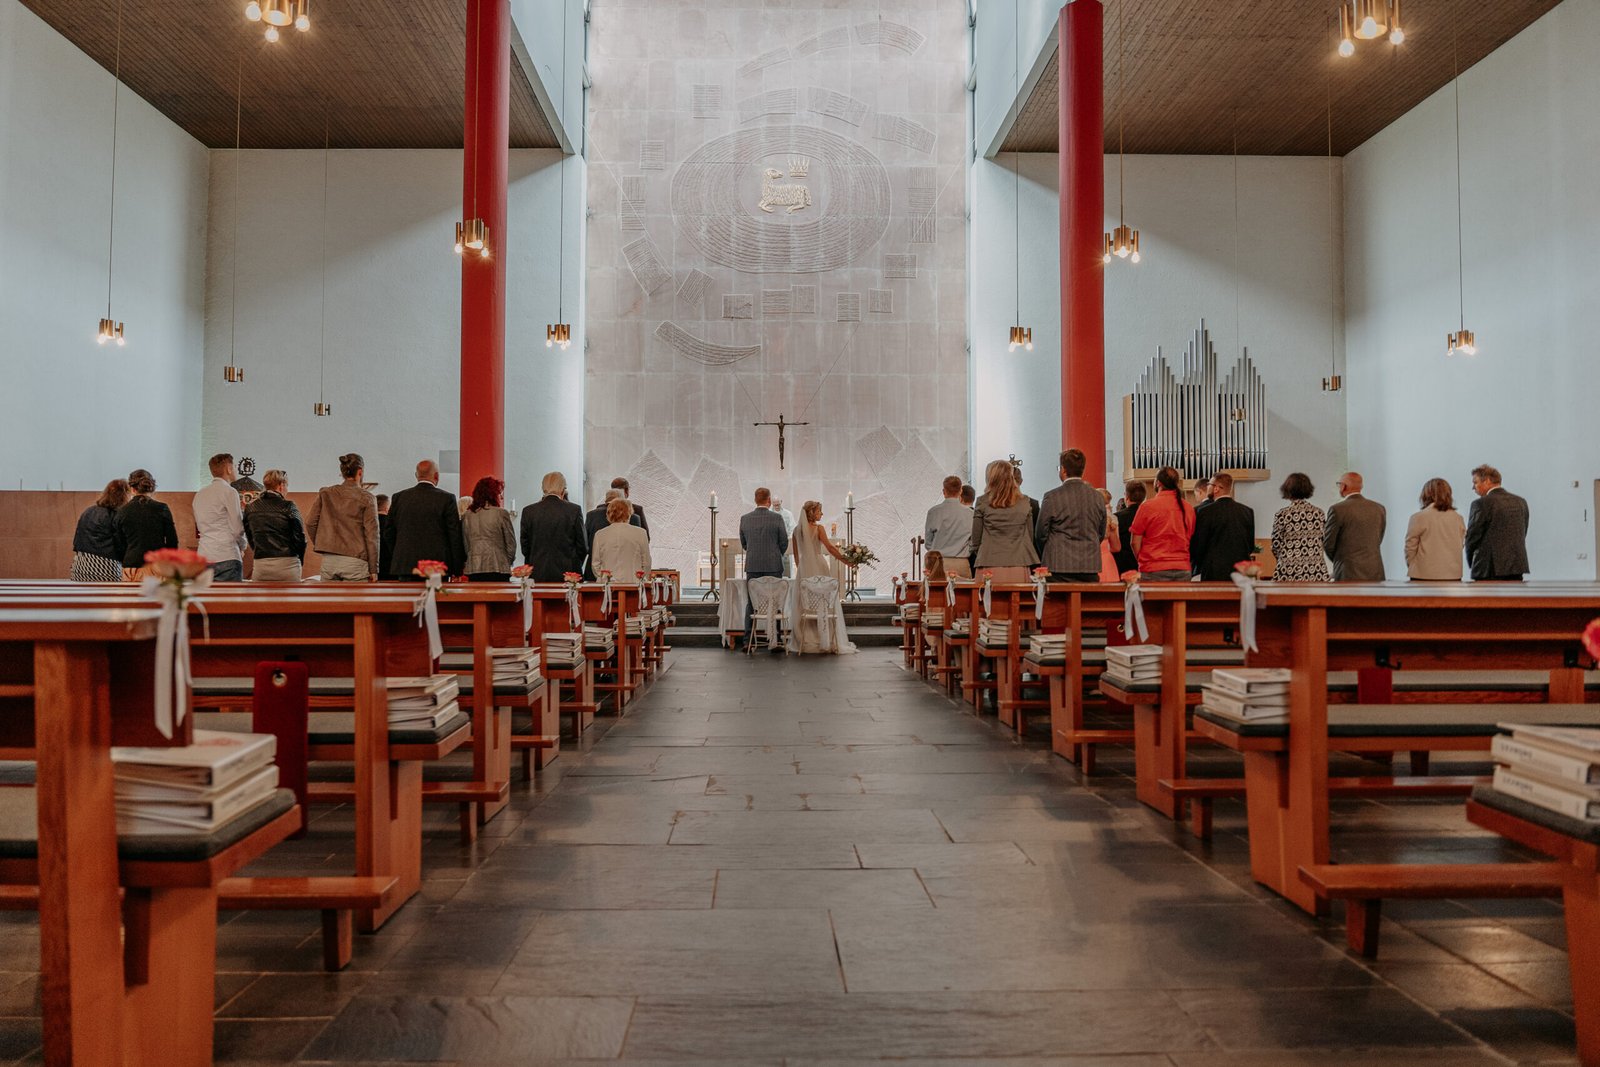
1083	197
487	135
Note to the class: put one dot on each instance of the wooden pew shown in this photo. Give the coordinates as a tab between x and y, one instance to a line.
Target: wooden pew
551	614
908	598
1086	614
1313	629
1575	847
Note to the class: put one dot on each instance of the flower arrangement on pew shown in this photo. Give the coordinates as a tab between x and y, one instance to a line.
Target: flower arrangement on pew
433	573
572	580
1246	573
859	556
1591	638
1133	620
523	574
605	591
1041	576
985	582
173	577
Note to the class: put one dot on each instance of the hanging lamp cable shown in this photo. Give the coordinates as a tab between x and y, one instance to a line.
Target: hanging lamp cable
233	285
116	99
322	359
1461	270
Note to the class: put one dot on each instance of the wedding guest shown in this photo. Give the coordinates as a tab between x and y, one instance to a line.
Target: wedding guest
343	526
277	536
948	530
596	521
1352	536
1435	536
933	566
1297	534
1112	543
462	504
553	541
1497	530
1224	533
969	495
1162	531
491	542
143	524
622	548
1202	493
424	523
1003	526
96	550
1133	494
762	536
1071	524
1033	505
383	524
219	521
638	509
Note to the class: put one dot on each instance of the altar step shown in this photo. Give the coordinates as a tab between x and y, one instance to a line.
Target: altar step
870	622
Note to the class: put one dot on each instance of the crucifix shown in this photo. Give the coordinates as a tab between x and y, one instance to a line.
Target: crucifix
782	426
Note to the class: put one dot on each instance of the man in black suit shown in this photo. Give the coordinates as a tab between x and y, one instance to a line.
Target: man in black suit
1497	530
1224	532
596	521
638	512
382	500
553	541
424	523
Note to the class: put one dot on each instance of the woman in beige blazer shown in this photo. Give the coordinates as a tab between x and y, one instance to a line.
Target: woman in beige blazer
1435	536
621	548
1002	527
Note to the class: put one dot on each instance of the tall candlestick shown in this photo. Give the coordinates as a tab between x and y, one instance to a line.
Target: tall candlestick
713	498
849	500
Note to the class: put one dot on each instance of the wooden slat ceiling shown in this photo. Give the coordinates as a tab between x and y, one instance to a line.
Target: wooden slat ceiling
391	75
1200	70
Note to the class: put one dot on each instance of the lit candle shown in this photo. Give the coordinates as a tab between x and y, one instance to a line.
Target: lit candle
849	501
713	498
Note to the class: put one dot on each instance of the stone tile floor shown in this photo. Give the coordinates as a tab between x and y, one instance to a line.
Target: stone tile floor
824	861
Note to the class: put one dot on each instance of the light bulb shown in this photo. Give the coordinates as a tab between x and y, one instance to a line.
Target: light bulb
252	11
121	340
1397	36
549	343
272	33
1106	258
1347	48
302	22
1029	346
1369	28
101	339
1134	257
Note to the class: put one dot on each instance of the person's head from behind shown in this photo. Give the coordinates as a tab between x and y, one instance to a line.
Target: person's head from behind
763	497
1484	478
554	484
1135	492
1221	485
611	494
933	565
1105	497
777	504
1000	483
142	482
382	500
618	510
621	483
275	481
1168	479
1202	488
1436	494
1297	487
968	494
1073	464
221	466
1349	483
428	471
114	495
952	487
812	510
352	466
487	493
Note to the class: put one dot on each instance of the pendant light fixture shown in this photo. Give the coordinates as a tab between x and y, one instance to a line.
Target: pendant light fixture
110	329
558	334
322	407
233	373
1367	20
1334	382
472	234
1121	242
1021	336
278	14
1462	341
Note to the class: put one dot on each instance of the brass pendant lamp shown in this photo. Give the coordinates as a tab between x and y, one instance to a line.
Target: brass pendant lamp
472	234
1462	341
1122	242
278	14
1021	336
558	334
111	330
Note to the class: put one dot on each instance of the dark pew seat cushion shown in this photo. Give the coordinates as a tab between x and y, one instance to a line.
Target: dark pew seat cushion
19	831
1422	720
1489	797
339	727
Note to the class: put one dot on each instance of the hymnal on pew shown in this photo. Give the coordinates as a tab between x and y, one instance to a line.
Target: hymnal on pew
1528	747
1126	664
418	694
198	787
138	812
1243	709
1253	682
215	760
1552	794
515	666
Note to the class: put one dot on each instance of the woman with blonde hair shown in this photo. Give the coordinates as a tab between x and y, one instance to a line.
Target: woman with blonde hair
1002	526
816	556
1111	544
1435	536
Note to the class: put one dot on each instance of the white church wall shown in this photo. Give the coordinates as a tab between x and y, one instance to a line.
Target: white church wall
73	413
1525	403
1009	36
1183	207
847	312
393	314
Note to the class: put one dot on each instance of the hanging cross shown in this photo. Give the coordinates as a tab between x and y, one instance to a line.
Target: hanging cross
782	426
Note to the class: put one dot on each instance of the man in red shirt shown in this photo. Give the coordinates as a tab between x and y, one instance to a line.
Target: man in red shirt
1162	530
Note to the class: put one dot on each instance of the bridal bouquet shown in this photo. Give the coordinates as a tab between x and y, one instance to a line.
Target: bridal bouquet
859	555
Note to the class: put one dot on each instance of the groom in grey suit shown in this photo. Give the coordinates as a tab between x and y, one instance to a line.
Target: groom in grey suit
765	541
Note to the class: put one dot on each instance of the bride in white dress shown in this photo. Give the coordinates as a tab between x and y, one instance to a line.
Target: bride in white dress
815	556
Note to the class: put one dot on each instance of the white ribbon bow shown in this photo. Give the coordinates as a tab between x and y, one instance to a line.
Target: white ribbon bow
525	598
1133	612
949	591
172	647
605	595
572	608
986	603
1247	611
427	612
1038	598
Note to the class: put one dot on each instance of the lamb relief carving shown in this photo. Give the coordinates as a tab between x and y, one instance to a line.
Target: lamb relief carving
776	193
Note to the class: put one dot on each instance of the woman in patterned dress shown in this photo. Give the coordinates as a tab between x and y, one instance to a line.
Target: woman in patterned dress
1297	534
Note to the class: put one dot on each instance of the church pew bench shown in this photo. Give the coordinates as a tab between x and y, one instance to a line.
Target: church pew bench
616	663
1316	628
1575	847
1091	613
570	686
908	594
1012	606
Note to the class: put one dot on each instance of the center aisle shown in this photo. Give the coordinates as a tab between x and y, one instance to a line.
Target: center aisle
824	859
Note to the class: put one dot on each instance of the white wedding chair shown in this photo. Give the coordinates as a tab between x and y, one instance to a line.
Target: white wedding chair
819	605
769	602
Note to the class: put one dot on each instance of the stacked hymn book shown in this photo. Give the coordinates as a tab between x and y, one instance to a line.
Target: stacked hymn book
515	667
599	639
1248	694
563	651
1046	646
1128	664
194	789
426	701
1551	767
